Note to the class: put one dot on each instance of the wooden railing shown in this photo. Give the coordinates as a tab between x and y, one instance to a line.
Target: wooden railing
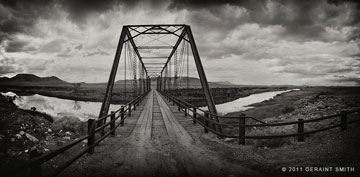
206	119
94	126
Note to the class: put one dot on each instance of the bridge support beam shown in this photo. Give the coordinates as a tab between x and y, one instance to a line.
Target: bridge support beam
106	103
204	83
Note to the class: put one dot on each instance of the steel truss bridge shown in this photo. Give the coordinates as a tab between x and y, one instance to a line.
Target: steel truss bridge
161	54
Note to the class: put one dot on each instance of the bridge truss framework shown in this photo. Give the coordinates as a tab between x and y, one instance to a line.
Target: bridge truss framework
181	32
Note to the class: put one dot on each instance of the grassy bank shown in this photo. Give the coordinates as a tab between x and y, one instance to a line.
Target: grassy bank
307	103
311	100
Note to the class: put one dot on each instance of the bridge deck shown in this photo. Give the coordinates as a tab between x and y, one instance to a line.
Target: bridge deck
156	141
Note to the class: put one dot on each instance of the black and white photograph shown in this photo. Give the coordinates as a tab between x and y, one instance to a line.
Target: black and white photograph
179	88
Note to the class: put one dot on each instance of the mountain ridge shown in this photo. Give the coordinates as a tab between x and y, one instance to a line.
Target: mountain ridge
31	78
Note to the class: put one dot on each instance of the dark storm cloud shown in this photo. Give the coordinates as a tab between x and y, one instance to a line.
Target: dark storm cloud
79	9
204	4
19	16
15	46
8	70
18	45
342	78
302	19
8	66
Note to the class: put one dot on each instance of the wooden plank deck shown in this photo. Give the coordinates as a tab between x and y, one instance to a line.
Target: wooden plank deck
157	140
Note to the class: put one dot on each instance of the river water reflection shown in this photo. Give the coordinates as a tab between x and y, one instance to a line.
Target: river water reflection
60	108
242	104
84	110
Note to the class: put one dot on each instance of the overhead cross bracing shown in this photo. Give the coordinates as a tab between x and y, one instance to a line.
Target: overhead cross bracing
161	51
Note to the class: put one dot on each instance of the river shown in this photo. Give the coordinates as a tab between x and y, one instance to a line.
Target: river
60	108
242	104
84	110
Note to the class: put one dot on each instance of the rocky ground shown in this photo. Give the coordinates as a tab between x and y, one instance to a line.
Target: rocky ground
22	131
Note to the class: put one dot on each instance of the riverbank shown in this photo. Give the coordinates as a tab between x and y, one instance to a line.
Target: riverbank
309	101
22	131
222	95
331	148
96	93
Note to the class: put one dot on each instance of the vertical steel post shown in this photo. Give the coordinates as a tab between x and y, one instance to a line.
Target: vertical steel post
204	83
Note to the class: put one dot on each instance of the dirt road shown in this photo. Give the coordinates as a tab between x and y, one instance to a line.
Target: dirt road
157	146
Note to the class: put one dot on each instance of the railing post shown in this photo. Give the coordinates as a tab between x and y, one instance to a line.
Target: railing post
112	124
129	109
122	116
194	115
35	169
91	133
206	115
185	110
242	128
103	129
343	120
301	137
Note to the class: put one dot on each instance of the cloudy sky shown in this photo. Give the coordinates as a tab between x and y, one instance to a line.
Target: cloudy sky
241	41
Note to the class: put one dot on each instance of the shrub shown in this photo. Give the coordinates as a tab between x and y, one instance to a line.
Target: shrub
288	109
41	114
70	124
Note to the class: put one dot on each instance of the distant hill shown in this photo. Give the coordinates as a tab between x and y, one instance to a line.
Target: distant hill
26	78
33	80
193	82
225	83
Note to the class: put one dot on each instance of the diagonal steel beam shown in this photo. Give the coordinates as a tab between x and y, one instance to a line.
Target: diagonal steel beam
106	103
204	83
139	33
182	35
135	48
173	32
